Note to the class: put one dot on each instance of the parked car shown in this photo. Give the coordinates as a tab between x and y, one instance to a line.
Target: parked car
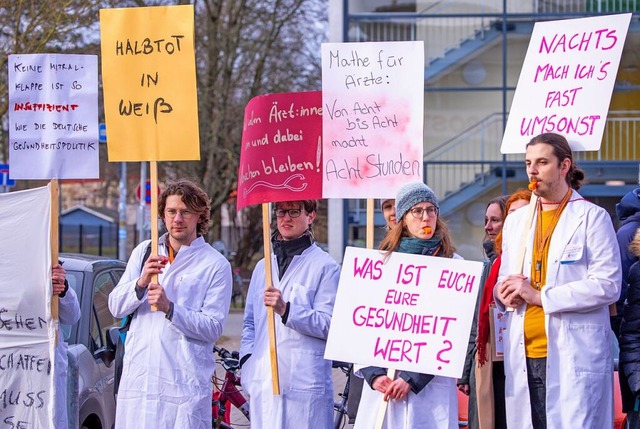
91	345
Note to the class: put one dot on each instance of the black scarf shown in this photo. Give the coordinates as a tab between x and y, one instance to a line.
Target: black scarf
285	250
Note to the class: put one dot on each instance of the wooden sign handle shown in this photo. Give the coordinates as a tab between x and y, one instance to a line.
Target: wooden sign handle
266	237
54	190
153	172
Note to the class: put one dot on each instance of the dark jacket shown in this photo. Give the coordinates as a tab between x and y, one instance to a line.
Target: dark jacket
628	212
630	334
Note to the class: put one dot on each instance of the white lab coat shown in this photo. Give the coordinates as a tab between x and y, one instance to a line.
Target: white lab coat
68	314
306	389
434	407
167	368
582	279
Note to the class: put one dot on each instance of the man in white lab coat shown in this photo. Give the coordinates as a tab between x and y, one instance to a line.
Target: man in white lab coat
558	348
168	362
305	281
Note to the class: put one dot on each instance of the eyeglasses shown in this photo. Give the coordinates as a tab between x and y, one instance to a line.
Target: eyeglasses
418	212
186	214
293	213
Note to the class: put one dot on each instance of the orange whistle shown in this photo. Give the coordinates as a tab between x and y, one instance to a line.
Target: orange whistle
427	230
533	185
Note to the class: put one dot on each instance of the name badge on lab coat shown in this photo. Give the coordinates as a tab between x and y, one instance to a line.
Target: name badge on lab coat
572	253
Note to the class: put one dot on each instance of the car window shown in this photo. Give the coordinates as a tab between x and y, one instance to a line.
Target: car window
102	318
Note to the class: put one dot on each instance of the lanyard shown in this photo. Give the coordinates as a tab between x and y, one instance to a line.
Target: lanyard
172	255
542	238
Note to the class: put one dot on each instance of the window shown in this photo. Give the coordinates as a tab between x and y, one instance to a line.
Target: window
102	318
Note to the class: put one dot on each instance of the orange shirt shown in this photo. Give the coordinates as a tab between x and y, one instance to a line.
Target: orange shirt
535	336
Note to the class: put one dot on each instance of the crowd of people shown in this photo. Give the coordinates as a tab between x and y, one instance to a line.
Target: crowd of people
555	269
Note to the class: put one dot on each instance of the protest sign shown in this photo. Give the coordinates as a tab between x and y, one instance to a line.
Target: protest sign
566	82
27	331
372	98
53	116
149	79
408	312
281	153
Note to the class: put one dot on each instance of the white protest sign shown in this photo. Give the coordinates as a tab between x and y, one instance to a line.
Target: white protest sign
53	116
27	331
566	82
372	100
407	312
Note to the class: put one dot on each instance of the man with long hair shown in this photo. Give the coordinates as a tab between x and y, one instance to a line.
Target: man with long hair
558	348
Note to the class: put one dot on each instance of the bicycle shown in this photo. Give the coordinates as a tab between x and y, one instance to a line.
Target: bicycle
340	406
228	393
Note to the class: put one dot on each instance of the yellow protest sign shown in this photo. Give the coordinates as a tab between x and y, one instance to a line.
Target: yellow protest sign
149	83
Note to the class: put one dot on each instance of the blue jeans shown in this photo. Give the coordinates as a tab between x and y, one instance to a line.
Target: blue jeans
537	378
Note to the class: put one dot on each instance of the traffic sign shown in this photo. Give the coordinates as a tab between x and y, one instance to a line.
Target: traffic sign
102	132
147	193
4	176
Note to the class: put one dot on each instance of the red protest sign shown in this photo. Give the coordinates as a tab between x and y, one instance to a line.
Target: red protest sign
281	154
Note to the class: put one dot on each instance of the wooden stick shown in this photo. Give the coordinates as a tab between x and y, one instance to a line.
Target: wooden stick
55	192
153	167
382	409
266	237
370	224
391	373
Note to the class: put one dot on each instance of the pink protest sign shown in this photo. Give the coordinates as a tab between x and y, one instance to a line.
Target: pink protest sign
406	312
281	154
566	82
372	99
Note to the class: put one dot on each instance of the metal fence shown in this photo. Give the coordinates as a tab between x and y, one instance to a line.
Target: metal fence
91	239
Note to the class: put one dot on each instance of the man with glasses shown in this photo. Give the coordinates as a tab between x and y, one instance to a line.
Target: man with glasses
305	281
168	364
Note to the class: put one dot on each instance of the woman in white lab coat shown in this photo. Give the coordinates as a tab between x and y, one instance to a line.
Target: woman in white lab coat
415	401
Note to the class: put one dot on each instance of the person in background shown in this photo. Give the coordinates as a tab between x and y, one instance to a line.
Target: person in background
388	209
168	364
68	314
305	282
628	212
630	340
493	218
558	357
490	374
415	400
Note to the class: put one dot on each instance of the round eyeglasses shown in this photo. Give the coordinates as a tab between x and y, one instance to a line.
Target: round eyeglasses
172	213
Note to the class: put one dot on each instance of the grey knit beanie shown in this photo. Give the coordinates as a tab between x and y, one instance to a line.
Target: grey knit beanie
410	195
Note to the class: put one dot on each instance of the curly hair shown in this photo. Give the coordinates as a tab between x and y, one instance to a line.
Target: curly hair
193	197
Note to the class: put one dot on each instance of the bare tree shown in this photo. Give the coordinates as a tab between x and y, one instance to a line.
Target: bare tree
243	48
246	48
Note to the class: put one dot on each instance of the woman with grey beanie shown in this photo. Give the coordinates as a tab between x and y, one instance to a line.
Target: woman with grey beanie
415	400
